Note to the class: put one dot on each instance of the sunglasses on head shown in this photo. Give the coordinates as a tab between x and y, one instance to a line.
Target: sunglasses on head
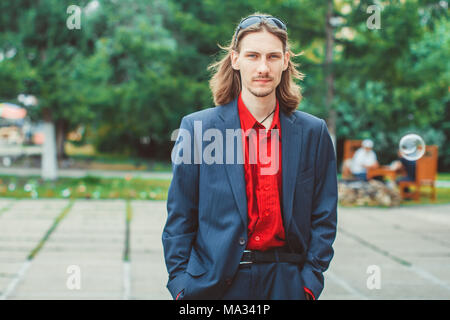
249	21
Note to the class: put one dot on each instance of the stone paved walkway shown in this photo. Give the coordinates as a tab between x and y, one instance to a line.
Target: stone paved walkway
46	244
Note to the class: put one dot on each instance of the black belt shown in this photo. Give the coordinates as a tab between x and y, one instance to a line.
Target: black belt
276	255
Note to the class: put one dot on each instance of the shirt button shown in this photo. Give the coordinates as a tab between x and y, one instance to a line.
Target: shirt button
241	241
267	188
257	238
267	213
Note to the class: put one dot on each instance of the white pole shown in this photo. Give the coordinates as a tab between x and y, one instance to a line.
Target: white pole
49	161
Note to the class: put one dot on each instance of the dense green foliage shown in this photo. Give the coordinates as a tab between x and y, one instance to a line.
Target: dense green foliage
137	66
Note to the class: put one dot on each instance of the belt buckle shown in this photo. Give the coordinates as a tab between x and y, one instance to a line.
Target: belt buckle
246	262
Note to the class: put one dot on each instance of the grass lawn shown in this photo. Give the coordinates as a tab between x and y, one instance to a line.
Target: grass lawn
84	188
442	197
88	157
114	162
443	176
91	187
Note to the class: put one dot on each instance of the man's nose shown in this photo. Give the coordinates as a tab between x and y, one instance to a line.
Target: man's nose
263	67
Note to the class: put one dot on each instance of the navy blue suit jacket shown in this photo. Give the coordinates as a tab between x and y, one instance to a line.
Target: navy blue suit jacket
206	228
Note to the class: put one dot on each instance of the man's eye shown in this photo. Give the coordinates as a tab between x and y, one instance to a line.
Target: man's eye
251	55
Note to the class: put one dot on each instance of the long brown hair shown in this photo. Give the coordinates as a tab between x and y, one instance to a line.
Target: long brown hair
225	84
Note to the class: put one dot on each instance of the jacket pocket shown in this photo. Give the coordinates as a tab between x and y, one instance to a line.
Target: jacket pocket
194	267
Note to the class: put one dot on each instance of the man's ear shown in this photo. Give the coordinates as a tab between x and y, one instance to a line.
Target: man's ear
234	59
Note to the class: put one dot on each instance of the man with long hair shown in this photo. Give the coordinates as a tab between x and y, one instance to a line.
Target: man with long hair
256	219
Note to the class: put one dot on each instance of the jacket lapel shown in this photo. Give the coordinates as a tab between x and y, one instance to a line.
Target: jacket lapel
229	119
291	142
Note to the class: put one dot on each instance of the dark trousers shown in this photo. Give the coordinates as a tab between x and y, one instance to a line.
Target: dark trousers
266	281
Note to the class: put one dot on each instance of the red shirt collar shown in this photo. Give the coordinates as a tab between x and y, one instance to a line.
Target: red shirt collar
248	121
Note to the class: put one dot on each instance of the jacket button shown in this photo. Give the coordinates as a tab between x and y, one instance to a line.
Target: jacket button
228	281
241	241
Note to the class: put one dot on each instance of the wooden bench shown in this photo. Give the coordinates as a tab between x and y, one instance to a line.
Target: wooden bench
350	147
426	171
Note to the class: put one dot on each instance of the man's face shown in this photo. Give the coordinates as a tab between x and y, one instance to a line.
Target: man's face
261	62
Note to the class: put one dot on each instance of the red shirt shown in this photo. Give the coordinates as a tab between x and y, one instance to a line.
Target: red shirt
265	223
263	181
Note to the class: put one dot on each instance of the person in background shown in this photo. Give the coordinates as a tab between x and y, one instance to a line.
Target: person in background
363	159
404	166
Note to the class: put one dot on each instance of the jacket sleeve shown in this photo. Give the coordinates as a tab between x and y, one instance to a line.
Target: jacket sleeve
323	215
182	208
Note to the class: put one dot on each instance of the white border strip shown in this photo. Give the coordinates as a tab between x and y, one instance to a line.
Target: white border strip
344	284
16	280
428	276
126	280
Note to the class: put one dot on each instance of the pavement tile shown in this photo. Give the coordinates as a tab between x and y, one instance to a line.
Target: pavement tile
411	247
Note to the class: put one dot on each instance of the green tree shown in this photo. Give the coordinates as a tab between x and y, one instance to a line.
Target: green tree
393	80
59	66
